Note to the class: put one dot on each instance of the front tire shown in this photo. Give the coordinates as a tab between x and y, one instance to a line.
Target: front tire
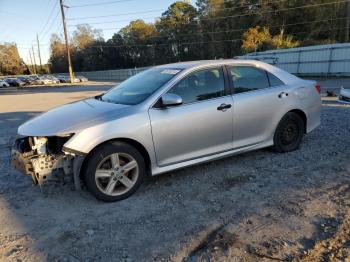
289	133
114	171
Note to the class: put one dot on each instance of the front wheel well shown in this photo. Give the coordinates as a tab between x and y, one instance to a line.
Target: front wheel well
303	117
129	141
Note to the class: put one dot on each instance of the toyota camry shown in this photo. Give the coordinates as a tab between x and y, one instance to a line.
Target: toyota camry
164	118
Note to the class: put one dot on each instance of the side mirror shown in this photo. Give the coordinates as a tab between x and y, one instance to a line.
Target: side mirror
170	99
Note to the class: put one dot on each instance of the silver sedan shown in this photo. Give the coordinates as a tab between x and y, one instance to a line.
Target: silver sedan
168	117
344	96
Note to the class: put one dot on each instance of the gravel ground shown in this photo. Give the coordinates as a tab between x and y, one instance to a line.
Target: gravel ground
258	206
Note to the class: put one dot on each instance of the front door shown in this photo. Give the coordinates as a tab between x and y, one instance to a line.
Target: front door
201	126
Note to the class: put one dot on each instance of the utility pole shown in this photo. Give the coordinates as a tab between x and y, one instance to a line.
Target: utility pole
37	40
66	39
347	29
33	64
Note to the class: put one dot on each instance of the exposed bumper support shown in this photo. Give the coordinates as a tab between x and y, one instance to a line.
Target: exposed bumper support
77	164
43	166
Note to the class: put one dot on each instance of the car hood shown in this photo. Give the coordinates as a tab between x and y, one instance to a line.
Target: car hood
71	118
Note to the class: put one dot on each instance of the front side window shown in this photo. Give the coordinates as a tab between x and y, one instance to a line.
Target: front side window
139	87
248	78
200	85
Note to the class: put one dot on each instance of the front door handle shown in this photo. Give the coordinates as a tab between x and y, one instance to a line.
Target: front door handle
224	107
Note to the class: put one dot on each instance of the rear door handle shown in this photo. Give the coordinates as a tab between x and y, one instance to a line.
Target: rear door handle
282	95
224	107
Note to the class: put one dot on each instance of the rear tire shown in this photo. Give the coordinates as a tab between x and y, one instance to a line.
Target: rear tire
289	133
114	171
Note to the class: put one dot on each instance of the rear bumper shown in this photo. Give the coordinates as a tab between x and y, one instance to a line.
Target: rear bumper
313	116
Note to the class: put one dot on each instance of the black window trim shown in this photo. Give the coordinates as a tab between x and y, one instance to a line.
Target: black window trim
268	78
230	80
267	73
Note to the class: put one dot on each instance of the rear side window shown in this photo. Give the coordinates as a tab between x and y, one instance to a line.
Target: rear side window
248	78
274	81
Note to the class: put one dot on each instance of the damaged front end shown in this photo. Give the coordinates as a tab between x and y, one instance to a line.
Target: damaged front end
43	158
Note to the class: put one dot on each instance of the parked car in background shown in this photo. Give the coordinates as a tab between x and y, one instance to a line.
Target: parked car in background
82	78
52	78
44	80
14	82
168	117
4	83
62	78
66	79
25	79
344	96
33	77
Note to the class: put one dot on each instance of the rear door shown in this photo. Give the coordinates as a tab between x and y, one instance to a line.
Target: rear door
201	126
259	101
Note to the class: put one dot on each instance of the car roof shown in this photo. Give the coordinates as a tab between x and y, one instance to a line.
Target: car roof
286	77
190	64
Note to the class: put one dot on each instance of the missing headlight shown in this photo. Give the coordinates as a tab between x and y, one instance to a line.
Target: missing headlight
55	144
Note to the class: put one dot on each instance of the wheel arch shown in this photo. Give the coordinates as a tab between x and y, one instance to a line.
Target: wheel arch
302	114
129	141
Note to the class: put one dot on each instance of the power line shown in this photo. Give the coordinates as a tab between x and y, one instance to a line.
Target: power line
216	41
49	17
120	1
114	21
223	17
121	14
204	33
276	11
239	29
43	28
180	43
52	23
160	10
102	3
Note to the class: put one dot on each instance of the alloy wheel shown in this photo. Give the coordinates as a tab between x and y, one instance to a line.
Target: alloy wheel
116	174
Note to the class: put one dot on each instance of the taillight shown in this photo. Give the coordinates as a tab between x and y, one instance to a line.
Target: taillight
318	88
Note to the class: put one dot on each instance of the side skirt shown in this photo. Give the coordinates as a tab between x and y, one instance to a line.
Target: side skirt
160	170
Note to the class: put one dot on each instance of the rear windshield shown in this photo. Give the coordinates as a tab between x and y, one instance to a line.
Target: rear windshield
139	87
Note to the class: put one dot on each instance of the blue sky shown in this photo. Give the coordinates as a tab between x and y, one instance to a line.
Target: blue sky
21	20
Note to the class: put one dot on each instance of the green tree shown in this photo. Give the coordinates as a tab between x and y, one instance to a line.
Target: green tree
178	30
139	42
260	39
10	61
58	57
84	35
210	30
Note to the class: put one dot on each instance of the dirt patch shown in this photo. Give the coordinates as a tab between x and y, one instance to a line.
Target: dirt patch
217	242
336	247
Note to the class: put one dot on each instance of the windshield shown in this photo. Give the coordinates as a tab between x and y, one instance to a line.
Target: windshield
139	87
